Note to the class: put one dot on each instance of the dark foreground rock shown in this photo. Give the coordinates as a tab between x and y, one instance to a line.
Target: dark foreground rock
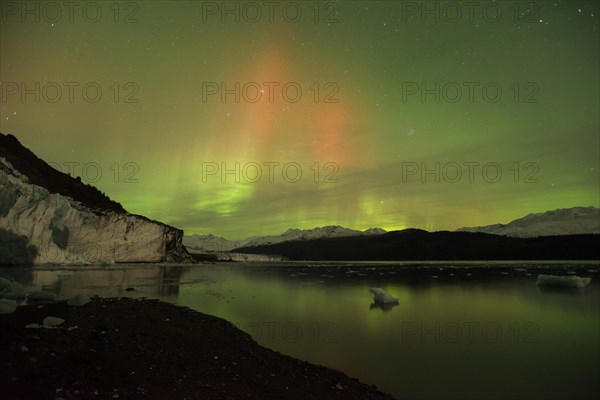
130	349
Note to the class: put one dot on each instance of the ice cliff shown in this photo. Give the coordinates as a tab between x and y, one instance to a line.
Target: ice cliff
49	217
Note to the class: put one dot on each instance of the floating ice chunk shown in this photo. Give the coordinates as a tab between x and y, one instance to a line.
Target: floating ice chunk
79	300
53	321
382	297
4	283
14	291
564	281
7	306
41	296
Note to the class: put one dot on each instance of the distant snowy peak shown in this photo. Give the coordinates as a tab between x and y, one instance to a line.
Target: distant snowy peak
374	231
308	234
217	243
208	242
563	221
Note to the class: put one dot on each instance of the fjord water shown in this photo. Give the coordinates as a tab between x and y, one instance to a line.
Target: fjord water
460	331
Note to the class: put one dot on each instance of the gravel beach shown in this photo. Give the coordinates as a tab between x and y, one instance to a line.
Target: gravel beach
120	348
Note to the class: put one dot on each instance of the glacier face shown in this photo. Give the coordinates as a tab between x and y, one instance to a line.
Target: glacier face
39	227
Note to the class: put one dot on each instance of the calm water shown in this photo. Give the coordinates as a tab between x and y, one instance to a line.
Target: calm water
460	331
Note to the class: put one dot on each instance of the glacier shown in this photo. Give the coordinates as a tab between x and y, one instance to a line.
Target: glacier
38	226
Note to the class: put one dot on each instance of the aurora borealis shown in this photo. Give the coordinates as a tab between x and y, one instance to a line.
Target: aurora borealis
397	114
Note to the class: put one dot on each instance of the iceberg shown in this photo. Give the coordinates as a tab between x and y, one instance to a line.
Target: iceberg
78	300
53	321
4	283
41	296
562	281
7	306
382	297
14	291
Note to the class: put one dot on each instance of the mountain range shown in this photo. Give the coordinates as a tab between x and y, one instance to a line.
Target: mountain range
47	216
417	244
562	234
563	221
212	243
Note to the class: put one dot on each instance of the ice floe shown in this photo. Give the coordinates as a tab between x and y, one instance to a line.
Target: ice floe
79	300
7	306
41	296
13	291
562	281
383	297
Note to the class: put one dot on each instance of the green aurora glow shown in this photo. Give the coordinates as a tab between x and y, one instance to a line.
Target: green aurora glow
372	54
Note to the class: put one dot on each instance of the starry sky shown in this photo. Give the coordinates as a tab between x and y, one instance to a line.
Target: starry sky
239	120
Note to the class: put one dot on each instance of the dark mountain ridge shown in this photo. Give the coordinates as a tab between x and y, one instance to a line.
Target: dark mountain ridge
416	244
40	173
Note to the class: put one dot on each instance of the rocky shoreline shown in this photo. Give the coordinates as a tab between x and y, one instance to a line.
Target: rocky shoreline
113	348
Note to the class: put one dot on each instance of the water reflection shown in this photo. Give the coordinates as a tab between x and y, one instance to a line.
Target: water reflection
383	306
566	290
467	330
121	281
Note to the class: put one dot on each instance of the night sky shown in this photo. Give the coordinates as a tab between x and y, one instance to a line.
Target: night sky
393	106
